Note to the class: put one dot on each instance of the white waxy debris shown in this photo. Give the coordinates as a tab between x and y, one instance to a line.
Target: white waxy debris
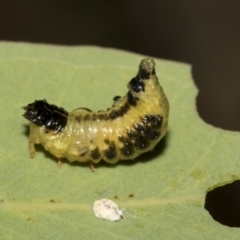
107	209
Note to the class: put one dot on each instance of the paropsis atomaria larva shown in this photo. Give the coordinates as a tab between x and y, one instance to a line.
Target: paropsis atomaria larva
134	124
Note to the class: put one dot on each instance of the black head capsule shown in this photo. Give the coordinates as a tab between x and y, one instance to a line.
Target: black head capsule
41	113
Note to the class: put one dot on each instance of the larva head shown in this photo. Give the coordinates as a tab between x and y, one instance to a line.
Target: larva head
41	113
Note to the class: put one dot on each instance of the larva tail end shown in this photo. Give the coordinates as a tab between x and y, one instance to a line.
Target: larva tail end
146	68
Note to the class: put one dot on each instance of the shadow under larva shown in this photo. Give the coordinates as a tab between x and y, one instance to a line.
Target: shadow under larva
132	126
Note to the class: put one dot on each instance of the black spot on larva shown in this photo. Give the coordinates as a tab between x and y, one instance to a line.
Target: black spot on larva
140	128
120	138
95	154
132	135
138	140
114	114
106	141
120	112
154	120
82	154
132	100
86	117
137	85
153	71
141	143
151	134
127	149
144	74
106	117
41	113
99	117
78	118
116	98
124	109
111	152
94	117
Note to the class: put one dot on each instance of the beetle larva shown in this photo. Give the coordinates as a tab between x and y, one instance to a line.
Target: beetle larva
134	124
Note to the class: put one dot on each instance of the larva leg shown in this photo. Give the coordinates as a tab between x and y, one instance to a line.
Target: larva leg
59	163
91	165
32	149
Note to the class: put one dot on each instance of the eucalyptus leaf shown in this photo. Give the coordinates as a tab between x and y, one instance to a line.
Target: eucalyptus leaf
162	192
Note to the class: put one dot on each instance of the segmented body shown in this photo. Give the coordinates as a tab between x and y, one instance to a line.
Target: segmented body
134	125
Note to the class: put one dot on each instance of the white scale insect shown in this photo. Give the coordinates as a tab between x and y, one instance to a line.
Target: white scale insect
134	124
107	209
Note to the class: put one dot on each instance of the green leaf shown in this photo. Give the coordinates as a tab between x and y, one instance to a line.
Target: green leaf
163	192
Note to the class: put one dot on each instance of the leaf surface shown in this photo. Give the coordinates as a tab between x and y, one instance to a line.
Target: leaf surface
162	192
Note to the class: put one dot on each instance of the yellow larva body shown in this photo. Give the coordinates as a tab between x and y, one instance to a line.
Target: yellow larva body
135	124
